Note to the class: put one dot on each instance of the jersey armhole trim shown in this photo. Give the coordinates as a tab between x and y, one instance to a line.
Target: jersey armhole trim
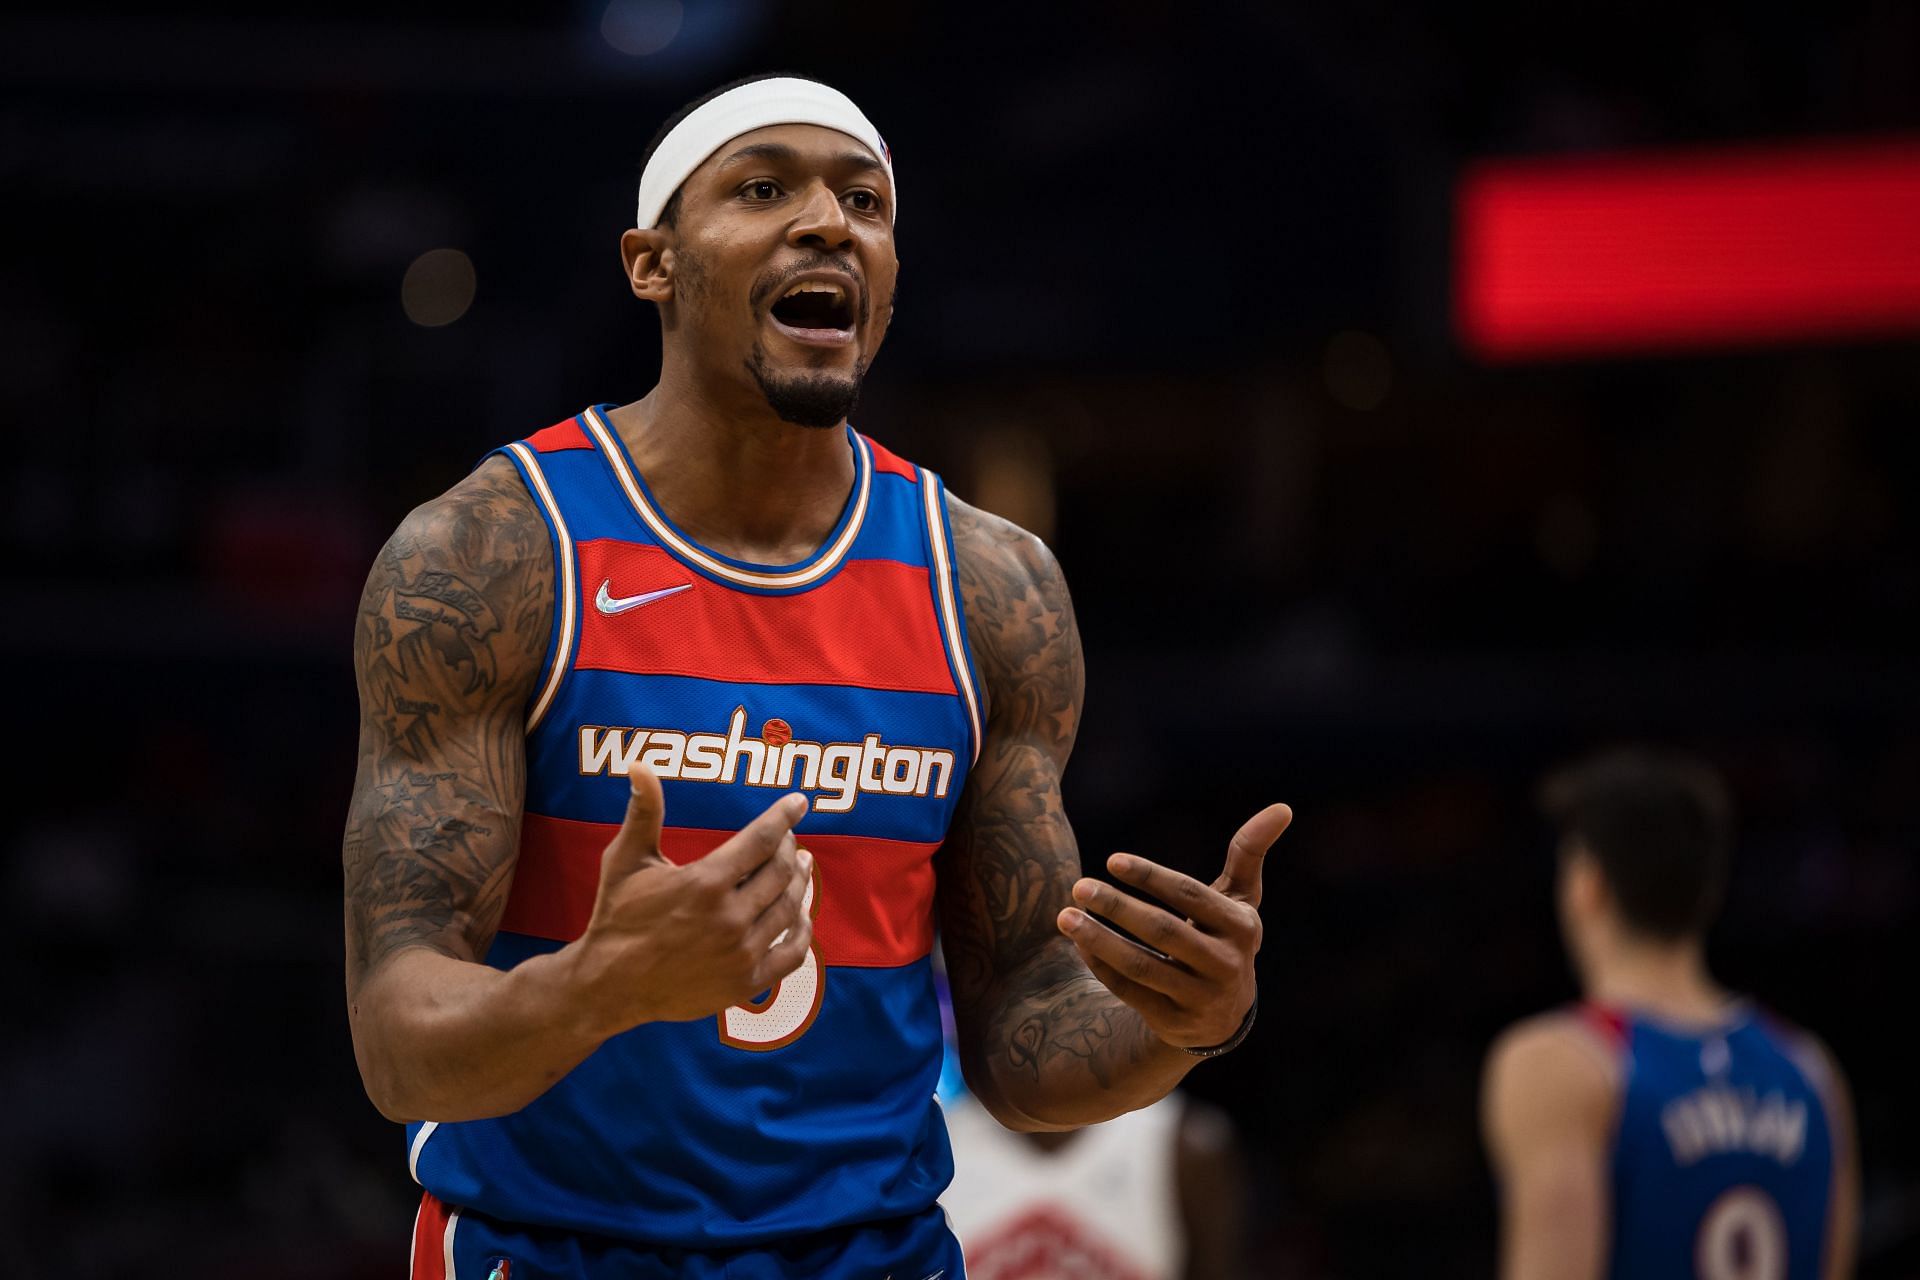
944	569
419	1141
566	621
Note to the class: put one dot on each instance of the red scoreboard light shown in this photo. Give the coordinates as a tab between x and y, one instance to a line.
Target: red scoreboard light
1686	249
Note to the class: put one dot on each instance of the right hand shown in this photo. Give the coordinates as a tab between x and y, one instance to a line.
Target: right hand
669	943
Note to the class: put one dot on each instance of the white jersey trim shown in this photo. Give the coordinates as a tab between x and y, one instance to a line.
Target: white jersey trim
828	561
933	494
566	597
419	1141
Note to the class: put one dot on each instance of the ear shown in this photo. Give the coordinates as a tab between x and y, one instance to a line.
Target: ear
647	256
1585	886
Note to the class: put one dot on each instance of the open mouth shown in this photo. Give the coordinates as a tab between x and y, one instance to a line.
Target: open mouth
817	308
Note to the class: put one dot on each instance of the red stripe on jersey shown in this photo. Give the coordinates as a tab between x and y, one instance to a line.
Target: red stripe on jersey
430	1239
871	624
875	897
885	459
561	435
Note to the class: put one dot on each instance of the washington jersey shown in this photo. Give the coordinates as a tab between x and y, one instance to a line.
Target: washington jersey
845	677
1105	1204
1723	1159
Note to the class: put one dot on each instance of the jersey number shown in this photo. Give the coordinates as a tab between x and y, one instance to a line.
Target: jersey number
1742	1237
793	1003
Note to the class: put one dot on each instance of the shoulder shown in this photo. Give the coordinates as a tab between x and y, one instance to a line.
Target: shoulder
486	526
474	569
1554	1065
1812	1058
1020	621
995	553
1562	1040
487	513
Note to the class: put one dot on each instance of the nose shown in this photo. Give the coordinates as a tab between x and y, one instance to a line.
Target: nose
821	222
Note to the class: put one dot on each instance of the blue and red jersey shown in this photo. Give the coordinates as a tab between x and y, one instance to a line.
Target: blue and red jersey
846	677
1723	1158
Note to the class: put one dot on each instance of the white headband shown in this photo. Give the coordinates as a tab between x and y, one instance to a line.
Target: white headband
712	125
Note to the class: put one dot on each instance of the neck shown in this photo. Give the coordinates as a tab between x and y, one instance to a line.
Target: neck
1668	979
730	473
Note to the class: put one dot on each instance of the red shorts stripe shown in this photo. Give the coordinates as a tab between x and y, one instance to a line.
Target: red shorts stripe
872	624
885	459
561	435
875	896
430	1239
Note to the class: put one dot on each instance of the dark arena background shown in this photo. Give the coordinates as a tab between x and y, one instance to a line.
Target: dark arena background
1399	433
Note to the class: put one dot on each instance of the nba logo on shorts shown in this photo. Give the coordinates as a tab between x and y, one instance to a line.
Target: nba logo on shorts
499	1269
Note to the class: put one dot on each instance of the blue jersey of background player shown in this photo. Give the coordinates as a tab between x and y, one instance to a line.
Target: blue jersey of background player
1662	1128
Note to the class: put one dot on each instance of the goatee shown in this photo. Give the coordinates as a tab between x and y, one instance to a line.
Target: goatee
807	399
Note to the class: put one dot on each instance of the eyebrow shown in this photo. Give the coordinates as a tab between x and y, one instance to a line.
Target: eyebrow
781	153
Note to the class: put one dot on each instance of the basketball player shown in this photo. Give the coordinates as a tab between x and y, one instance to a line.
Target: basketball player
1664	1128
681	722
1156	1194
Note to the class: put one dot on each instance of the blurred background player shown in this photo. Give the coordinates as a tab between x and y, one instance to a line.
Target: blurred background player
1156	1194
1663	1127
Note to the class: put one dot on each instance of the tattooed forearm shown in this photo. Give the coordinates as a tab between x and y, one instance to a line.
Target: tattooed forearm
1078	1020
452	629
1031	1015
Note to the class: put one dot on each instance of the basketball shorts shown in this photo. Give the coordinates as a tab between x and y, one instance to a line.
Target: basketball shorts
450	1243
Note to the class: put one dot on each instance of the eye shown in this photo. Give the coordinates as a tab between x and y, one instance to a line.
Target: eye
864	200
761	189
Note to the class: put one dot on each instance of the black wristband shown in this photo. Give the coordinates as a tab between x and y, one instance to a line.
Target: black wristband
1232	1041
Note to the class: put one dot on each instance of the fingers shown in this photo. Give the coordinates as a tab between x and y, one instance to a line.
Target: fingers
1159	929
785	955
778	926
1212	910
1130	960
784	930
771	900
764	883
637	843
1157	1008
1247	853
755	843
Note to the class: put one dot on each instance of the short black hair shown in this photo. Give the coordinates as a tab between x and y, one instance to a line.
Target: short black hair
1659	824
670	213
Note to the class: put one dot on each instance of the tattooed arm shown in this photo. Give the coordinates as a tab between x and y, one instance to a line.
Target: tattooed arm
453	631
1062	1021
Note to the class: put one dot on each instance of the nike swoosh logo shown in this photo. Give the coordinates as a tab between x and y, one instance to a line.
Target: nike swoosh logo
610	604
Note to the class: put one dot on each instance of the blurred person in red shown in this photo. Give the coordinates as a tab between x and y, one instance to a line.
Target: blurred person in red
1156	1194
1663	1129
628	1048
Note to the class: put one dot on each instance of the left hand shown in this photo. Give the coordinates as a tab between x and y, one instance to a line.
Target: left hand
1193	982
